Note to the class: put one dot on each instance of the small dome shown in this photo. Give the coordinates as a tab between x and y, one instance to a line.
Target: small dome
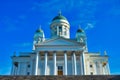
80	30
39	36
39	31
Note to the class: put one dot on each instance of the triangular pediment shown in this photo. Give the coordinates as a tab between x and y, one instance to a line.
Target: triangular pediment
60	41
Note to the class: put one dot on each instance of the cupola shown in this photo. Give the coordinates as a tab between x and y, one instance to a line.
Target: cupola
39	36
60	27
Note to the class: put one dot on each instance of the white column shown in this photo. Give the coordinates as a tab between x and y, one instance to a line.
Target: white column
108	69
57	30
104	69
81	64
54	58
65	62
97	68
31	68
12	70
72	65
25	72
46	54
36	65
101	72
75	66
15	70
88	68
18	71
94	66
84	66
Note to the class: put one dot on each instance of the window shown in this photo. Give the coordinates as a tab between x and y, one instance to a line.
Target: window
60	29
16	64
28	73
60	68
91	73
28	66
65	32
91	66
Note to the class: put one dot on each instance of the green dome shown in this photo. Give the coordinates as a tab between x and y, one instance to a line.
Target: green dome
80	30
59	17
39	31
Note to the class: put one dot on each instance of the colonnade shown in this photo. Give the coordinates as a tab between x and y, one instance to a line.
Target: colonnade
74	64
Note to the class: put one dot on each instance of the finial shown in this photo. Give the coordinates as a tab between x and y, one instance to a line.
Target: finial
105	53
59	13
79	27
40	27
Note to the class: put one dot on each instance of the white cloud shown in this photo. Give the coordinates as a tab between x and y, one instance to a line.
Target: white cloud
89	26
84	11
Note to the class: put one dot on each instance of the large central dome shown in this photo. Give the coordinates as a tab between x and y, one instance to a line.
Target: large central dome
59	17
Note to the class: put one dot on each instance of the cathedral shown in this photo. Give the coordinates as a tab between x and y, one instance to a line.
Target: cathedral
60	55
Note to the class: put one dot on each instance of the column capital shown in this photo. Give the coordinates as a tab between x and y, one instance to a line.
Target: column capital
45	51
54	51
65	51
73	51
35	51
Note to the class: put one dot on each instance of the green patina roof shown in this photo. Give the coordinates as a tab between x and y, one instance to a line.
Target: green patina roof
39	30
80	30
59	17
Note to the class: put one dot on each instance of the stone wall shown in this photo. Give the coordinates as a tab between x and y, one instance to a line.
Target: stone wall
87	77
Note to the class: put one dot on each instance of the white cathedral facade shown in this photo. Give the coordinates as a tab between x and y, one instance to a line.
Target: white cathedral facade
60	55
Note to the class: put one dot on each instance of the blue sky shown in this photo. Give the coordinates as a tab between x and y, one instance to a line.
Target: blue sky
99	18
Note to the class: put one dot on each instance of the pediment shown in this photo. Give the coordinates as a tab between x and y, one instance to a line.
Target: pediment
60	41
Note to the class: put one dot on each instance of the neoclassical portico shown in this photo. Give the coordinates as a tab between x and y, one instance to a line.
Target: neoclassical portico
64	55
